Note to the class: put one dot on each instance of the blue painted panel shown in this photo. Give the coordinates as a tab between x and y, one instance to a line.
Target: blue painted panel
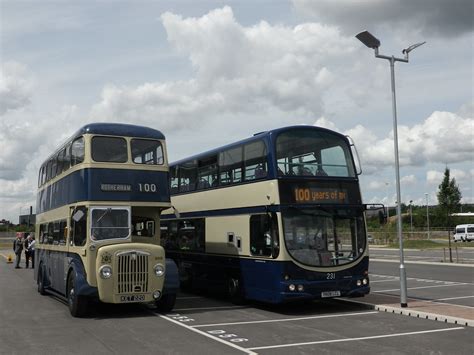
263	280
85	185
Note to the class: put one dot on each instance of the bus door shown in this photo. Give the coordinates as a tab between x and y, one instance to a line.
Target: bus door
77	230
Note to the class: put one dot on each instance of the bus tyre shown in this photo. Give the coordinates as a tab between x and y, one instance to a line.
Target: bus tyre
77	304
235	291
166	302
41	280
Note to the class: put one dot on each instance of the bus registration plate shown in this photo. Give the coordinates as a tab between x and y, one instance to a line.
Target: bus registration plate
326	294
132	298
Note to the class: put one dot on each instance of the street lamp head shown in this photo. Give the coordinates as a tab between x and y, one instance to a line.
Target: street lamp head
412	47
368	39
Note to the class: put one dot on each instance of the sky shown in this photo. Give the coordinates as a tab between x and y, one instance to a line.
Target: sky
208	73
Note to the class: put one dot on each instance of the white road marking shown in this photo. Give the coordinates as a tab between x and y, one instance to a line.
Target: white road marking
421	280
354	339
247	351
206	308
452	298
421	287
284	319
389	280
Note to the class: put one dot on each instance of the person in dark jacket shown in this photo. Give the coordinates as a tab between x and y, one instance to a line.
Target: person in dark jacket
26	247
18	248
31	250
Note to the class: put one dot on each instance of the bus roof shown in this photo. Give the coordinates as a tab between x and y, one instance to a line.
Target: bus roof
119	129
256	136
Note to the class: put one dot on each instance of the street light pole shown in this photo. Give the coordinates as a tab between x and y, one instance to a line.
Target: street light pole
427	215
372	42
411	218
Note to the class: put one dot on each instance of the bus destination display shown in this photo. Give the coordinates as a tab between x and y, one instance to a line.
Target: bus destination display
319	195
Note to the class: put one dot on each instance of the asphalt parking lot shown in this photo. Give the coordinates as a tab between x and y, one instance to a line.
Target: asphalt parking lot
205	324
317	327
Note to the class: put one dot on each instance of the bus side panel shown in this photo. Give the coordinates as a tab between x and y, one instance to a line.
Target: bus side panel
91	185
260	288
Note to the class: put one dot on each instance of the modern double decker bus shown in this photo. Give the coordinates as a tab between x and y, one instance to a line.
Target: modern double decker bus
100	196
276	217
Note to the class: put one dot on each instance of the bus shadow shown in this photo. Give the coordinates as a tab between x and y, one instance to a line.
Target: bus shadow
100	311
208	301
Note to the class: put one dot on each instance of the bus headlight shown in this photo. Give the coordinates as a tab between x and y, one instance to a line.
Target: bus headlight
105	272
159	270
292	287
359	283
364	281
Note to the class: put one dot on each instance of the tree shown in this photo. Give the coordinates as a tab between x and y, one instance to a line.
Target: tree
449	198
449	195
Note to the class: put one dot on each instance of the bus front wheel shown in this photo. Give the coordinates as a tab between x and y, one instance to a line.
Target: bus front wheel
77	304
166	302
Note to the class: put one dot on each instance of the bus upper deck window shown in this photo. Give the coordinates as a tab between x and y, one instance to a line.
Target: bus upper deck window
109	149
146	151
77	151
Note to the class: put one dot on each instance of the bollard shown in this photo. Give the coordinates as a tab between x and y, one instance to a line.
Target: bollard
9	259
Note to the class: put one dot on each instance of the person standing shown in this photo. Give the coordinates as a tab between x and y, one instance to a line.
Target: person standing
18	248
31	250
26	246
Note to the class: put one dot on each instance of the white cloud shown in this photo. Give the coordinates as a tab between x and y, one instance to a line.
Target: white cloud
27	141
325	123
443	137
408	180
16	86
434	177
238	70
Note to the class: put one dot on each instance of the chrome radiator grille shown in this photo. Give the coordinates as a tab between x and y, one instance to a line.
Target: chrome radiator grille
132	272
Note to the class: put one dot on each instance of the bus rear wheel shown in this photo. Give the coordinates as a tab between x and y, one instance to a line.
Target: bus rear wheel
166	302
77	304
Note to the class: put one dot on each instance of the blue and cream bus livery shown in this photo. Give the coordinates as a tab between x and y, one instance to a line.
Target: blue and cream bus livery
276	217
100	196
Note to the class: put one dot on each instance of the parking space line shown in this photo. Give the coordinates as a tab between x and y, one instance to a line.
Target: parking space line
377	281
421	287
247	351
414	279
284	319
207	308
354	339
452	298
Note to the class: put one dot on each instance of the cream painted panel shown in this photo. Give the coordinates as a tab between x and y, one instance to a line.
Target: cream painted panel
246	195
217	230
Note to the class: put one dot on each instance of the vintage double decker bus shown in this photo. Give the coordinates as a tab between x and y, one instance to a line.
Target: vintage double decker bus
100	196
